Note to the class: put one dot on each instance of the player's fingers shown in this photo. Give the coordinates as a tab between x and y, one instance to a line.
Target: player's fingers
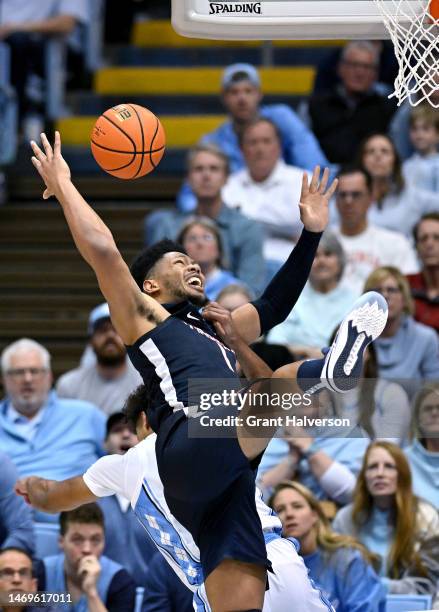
315	180
324	181
332	189
57	144
47	194
219	328
305	188
37	151
47	147
36	162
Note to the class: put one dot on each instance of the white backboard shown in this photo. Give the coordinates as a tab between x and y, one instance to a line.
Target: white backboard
278	19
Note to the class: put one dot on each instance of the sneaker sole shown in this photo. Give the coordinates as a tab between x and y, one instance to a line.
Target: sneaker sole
364	324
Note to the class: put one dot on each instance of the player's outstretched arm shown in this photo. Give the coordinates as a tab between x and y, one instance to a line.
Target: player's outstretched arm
284	290
53	495
133	313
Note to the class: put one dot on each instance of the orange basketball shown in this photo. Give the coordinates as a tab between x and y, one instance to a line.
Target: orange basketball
434	9
128	141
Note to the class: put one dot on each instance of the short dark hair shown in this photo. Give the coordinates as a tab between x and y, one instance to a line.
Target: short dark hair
91	514
136	403
354	169
114	419
147	259
431	216
256	121
19	550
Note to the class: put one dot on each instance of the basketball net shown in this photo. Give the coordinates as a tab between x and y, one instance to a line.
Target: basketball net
413	26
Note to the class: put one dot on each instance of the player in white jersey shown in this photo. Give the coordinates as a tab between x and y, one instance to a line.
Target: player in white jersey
135	476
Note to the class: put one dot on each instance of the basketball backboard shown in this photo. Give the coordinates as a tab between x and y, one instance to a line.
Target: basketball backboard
279	19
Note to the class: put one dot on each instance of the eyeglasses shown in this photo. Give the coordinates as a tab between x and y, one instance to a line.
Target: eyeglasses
21	372
359	65
388	290
352	195
9	572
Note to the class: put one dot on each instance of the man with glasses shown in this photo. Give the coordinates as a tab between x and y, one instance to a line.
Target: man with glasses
366	246
43	434
16	579
93	581
343	117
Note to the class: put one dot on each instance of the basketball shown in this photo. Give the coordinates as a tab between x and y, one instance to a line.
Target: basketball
128	141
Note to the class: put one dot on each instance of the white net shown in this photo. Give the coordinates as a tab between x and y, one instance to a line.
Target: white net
415	34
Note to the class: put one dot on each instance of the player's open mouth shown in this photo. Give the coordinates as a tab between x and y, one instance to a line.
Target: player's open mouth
195	281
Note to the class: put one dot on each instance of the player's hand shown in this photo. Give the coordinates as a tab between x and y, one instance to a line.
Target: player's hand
223	323
50	164
21	488
314	200
89	570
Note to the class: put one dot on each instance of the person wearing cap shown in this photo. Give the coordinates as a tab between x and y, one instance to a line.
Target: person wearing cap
367	246
125	540
321	306
242	97
108	381
42	433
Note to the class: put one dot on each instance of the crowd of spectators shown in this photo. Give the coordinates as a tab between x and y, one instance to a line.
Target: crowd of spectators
238	216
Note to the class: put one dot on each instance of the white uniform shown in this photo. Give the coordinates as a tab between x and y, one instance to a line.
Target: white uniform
135	476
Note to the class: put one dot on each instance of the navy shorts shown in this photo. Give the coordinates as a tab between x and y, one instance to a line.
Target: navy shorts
209	485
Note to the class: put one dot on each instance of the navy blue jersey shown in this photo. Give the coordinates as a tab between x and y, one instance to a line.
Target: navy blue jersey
183	347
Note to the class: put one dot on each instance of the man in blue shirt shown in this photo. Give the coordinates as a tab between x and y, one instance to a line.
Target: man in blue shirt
16	526
242	97
242	238
94	582
40	432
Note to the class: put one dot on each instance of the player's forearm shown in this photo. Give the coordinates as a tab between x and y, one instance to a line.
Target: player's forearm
252	365
92	237
51	495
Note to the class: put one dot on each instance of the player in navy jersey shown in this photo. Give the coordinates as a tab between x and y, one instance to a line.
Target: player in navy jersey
208	485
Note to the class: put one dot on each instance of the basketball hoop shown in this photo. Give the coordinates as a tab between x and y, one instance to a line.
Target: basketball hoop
413	26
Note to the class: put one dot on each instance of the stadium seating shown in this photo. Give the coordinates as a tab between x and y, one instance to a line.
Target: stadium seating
407	603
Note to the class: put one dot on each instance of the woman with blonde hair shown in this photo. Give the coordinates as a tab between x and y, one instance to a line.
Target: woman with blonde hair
389	519
423	454
406	349
338	564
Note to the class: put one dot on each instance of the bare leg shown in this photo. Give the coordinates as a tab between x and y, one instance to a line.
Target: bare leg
234	586
254	440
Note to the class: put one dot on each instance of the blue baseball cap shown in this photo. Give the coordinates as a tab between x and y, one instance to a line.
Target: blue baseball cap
97	315
248	72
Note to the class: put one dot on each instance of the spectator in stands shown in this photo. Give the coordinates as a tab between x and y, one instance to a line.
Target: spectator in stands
108	382
201	240
321	306
396	205
125	538
338	564
16	578
43	434
94	581
381	408
164	591
25	27
343	117
325	460
267	189
367	246
389	519
423	454
425	285
234	296
242	97
400	125
16	525
242	238
406	349
422	168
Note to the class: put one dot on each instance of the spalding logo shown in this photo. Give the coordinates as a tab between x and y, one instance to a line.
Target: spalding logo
247	8
122	112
